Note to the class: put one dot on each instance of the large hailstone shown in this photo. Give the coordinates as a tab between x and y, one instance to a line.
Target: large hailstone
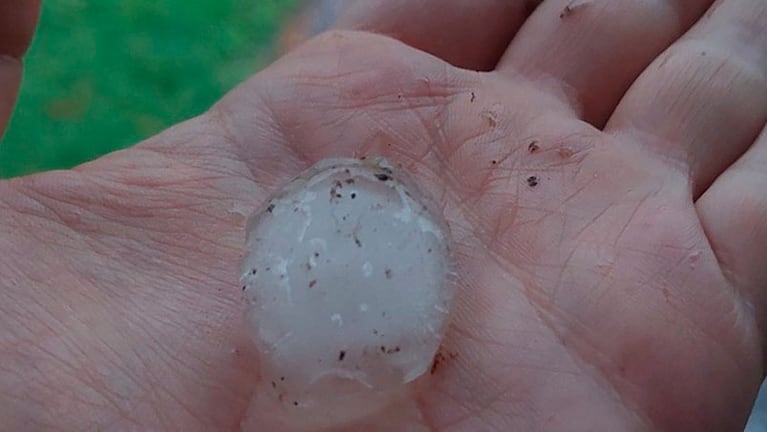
347	282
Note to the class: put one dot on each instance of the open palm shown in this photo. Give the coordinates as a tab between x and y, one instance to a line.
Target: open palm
605	185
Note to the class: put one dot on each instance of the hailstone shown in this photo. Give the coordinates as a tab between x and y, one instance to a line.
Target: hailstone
347	284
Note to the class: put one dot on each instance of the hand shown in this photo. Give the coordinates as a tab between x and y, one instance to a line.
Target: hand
604	181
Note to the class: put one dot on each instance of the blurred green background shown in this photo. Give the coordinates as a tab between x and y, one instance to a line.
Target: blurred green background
104	74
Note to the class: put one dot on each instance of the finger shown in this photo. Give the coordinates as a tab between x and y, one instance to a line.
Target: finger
17	24
469	35
592	50
10	78
733	212
704	101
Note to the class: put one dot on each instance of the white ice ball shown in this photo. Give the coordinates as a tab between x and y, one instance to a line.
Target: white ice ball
347	281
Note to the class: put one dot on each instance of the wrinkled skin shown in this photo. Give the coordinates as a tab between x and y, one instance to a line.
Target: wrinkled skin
623	291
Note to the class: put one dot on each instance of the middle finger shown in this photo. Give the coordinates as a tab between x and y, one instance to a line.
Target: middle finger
592	50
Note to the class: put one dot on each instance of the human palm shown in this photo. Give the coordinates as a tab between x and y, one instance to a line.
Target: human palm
609	242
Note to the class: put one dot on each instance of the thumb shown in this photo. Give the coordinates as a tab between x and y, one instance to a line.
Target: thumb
18	19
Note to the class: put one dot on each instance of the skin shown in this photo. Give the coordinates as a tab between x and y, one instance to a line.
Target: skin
625	291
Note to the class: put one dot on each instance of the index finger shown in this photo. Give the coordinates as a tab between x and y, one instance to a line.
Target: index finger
471	35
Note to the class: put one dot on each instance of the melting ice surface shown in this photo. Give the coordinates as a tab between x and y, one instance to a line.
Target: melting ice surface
348	285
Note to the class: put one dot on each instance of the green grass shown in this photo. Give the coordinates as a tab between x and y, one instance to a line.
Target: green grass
104	74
